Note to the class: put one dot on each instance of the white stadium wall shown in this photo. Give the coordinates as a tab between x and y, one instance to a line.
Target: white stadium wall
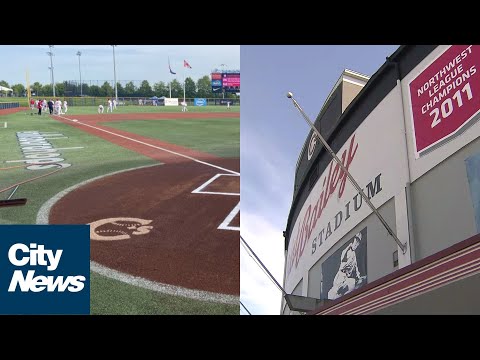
416	155
375	162
442	201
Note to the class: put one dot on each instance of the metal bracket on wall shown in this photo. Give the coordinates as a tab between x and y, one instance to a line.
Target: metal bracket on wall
304	303
403	246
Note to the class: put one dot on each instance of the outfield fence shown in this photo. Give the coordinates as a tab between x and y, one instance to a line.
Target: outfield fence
141	101
9	105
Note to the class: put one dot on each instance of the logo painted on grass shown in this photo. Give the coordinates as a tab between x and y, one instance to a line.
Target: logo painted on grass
44	269
38	152
118	228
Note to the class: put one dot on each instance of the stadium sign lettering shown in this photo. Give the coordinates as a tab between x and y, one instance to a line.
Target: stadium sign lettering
373	188
39	152
336	178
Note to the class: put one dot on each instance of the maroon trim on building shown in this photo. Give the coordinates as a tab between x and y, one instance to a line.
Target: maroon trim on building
448	261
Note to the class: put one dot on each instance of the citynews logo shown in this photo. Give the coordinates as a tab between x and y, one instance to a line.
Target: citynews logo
21	255
45	269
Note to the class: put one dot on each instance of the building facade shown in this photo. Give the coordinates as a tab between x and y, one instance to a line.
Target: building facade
409	136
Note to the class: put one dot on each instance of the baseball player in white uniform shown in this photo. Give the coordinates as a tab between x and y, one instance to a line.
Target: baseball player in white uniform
115	103
65	106
58	107
109	108
100	109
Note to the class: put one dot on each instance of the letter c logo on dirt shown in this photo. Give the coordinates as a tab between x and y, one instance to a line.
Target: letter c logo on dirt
119	228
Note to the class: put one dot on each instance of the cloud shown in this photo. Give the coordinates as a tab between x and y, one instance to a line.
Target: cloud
257	292
267	177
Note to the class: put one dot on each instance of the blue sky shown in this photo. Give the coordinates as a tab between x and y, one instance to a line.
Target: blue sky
272	133
133	62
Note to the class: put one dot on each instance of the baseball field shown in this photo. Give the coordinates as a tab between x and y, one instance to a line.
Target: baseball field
160	189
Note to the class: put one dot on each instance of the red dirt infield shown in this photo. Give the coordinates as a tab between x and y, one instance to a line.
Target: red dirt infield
228	184
178	241
13	110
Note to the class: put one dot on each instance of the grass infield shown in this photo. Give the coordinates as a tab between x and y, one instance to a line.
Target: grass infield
219	137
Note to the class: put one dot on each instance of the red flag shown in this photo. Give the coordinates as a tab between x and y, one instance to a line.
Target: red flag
186	64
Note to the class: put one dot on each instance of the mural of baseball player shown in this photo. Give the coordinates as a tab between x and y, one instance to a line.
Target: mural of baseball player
351	273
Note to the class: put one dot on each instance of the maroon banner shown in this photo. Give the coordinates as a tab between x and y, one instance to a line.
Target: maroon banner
445	96
231	80
216	76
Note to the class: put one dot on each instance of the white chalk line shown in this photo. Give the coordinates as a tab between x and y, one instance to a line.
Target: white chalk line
204	185
44	214
164	288
152	146
225	224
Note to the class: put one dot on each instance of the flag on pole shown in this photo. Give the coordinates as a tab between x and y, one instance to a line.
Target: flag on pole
169	68
186	64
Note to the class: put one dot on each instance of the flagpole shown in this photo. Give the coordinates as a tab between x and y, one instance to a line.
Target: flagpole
171	73
184	82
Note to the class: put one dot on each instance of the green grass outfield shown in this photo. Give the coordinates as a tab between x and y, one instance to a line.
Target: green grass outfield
98	157
219	137
86	110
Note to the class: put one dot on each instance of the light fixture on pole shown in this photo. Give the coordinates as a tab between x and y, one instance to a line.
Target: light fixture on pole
79	53
115	73
50	53
402	246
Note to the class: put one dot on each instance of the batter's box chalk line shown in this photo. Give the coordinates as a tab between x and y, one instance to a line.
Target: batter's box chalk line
204	185
225	225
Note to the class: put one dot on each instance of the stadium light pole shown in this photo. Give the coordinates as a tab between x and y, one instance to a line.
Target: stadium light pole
115	74
223	90
50	53
79	53
403	247
50	68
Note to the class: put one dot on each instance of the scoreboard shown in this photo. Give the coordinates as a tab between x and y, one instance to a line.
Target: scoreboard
226	81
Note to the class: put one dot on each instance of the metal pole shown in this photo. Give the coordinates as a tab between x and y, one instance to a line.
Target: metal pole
51	68
223	90
249	313
51	81
403	247
263	266
115	74
80	71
